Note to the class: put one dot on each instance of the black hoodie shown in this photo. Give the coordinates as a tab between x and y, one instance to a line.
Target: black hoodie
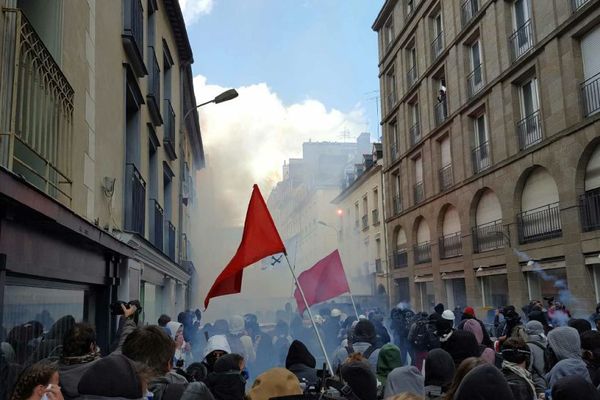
574	387
227	382
112	376
484	382
301	363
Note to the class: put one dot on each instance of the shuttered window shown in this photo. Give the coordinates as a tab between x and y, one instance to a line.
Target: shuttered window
488	208
540	190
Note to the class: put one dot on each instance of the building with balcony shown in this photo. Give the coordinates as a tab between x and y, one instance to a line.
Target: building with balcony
363	249
505	166
96	163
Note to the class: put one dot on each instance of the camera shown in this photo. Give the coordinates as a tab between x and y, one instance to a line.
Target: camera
117	309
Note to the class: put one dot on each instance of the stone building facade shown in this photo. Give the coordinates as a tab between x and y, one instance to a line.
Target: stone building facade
492	150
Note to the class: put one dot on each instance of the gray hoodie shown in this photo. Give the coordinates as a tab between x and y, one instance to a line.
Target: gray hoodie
341	355
404	380
537	342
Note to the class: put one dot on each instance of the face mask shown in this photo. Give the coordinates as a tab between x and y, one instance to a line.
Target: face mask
44	397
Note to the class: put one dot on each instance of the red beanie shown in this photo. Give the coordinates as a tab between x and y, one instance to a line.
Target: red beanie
469	311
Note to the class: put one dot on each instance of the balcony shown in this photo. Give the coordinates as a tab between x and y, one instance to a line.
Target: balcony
135	201
378	266
133	35
153	95
171	235
487	237
400	259
521	41
440	111
419	192
391	100
450	246
184	251
468	9
446	177
577	4
590	93
375	216
365	222
589	207
475	81
169	130
411	76
36	114
156	225
529	130
422	253
437	46
539	224
481	157
397	204
415	134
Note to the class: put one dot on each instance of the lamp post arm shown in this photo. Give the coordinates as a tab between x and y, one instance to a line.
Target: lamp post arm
195	108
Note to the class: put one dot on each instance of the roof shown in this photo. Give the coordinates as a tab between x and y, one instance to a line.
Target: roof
385	11
357	182
184	49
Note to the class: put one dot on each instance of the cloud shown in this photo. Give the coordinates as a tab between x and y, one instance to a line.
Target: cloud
194	9
247	139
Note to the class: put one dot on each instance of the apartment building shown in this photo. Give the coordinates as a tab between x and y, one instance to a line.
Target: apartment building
361	236
98	148
491	150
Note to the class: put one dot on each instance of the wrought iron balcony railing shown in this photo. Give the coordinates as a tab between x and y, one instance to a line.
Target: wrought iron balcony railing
154	87
415	134
411	76
529	130
539	224
488	236
36	111
171	235
397	204
133	34
135	201
577	4
468	10
589	207
378	266
440	111
437	46
400	258
450	245
481	157
422	253
365	221
169	130
419	191
446	177
475	81
156	226
375	216
590	94
521	41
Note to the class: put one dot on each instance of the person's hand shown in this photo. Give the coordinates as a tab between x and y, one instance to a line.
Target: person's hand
128	312
54	393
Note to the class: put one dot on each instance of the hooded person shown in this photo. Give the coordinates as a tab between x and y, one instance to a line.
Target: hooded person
473	326
459	344
52	342
389	359
276	382
590	344
115	376
182	348
216	347
238	339
514	368
469	314
226	381
574	387
404	380
565	355
537	343
79	352
582	325
439	370
438	310
361	379
301	363
362	341
484	382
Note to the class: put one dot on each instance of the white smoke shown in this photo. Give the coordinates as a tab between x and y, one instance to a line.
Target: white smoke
193	9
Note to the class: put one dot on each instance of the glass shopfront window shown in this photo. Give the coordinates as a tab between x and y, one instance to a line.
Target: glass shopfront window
457	293
495	290
427	296
152	299
546	283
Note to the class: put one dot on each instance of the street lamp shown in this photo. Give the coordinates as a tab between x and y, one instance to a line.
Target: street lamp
227	95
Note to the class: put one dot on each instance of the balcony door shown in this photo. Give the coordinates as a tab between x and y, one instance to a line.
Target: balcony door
475	55
529	98
521	15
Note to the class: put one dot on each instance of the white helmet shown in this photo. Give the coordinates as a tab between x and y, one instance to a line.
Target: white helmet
336	313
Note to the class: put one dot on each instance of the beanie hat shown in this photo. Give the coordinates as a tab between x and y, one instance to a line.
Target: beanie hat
276	382
111	376
538	315
565	342
484	382
590	340
364	331
360	378
574	387
469	311
236	324
439	368
534	328
449	315
582	325
299	354
439	308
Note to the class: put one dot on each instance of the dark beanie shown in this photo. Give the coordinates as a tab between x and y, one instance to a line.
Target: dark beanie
484	382
299	354
439	368
360	378
364	331
590	340
574	387
111	376
439	308
228	362
582	325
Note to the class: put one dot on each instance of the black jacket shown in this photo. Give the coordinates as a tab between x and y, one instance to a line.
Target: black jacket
519	386
301	363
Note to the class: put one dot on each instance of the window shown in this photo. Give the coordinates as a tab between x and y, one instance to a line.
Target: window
375	206
388	32
394	150
411	75
543	284
457	293
365	215
396	187
152	299
356	215
390	79
529	128
446	174
414	130
494	290
437	44
590	88
419	190
410	7
522	38
440	109
481	150
427	296
475	78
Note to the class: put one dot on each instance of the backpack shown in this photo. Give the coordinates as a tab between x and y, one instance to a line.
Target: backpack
366	354
422	339
531	366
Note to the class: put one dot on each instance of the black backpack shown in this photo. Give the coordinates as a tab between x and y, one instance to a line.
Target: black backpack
423	338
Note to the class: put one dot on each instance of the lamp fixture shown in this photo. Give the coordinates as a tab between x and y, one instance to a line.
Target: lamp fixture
480	269
530	263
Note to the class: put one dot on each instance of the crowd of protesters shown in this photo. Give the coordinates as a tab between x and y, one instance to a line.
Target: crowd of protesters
538	352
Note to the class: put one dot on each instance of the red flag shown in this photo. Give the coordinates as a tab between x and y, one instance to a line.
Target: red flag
259	240
324	281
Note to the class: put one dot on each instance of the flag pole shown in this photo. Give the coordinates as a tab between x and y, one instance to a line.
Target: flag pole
310	315
353	304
